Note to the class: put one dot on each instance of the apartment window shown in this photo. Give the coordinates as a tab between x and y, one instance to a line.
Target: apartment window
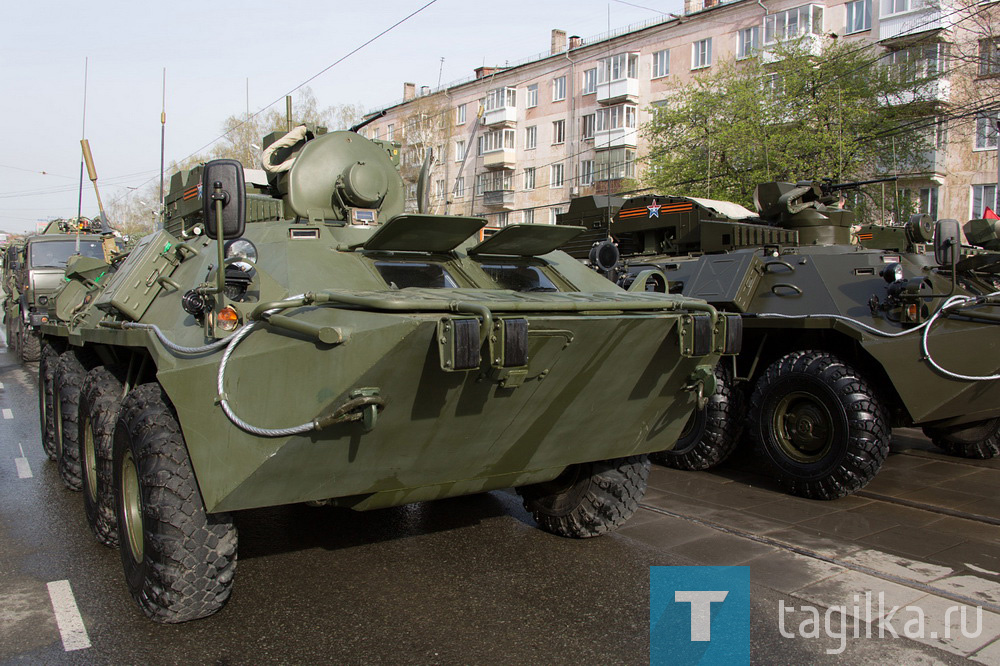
481	184
983	196
586	172
530	137
701	53
661	63
559	89
375	134
989	57
618	67
749	41
928	201
792	23
620	116
614	164
439	189
501	98
590	81
556	175
986	132
859	16
915	62
390	131
460	187
411	192
496	140
529	178
529	216
460	114
890	7
554	214
588	124
502	219
532	95
559	131
459	151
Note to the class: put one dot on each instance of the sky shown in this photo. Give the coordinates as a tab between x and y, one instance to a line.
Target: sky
214	53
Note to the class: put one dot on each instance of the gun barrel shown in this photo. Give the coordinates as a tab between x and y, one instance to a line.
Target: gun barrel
858	183
367	121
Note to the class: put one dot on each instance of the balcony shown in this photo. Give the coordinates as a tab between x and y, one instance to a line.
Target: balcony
499	159
619	137
501	198
617	91
809	43
921	19
505	115
932	92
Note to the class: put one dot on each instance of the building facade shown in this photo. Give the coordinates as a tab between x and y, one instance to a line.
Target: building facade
515	144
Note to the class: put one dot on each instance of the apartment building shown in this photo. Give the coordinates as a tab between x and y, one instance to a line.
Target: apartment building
514	144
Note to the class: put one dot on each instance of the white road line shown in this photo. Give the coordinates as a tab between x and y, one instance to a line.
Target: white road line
74	634
23	469
21	449
7	414
1	385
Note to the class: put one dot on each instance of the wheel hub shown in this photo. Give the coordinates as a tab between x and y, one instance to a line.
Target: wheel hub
132	506
89	460
804	427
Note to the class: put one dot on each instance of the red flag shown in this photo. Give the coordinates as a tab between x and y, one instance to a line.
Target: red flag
988	214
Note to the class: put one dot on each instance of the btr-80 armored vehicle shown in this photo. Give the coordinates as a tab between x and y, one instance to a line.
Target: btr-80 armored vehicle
38	271
300	338
843	341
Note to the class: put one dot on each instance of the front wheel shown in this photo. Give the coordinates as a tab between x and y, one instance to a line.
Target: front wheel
179	560
980	440
711	434
29	345
819	424
588	499
100	399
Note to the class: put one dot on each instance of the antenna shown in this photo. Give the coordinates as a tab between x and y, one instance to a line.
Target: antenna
440	71
163	138
83	135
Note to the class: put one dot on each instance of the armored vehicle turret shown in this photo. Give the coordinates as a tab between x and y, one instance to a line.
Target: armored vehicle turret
295	336
848	331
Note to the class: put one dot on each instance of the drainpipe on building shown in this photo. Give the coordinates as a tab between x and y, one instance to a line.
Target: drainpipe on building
572	143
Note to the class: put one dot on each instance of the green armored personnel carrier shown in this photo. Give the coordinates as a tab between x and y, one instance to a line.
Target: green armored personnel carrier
302	339
842	340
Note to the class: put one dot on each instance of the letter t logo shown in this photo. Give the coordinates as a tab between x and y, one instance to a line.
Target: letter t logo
701	610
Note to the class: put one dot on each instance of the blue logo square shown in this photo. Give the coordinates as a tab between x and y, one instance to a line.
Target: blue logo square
699	615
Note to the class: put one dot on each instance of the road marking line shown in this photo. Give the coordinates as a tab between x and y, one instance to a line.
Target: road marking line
23	469
1	385
7	414
74	634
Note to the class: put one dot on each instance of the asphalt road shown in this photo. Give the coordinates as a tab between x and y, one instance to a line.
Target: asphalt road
461	581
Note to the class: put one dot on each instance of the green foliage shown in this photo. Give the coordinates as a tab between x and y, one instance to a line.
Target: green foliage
788	115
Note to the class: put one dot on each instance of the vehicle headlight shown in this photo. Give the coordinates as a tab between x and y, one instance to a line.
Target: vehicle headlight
241	247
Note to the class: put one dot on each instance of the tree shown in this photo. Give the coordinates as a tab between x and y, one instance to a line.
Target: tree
787	114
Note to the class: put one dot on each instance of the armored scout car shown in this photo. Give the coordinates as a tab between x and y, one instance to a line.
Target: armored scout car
843	340
299	338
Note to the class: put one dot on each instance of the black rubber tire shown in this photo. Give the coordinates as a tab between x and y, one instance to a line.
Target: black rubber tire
100	400
29	345
69	376
711	434
179	561
980	440
588	499
820	386
46	401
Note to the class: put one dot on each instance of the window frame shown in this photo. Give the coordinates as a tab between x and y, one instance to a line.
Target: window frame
697	52
531	96
559	88
661	60
852	8
531	137
559	132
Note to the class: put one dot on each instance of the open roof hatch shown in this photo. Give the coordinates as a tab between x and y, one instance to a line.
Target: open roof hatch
423	233
527	240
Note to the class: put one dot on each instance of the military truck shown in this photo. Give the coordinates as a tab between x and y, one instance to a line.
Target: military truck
12	258
301	339
845	338
38	271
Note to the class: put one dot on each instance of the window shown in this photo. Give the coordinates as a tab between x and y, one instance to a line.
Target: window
375	132
481	184
554	214
495	181
986	132
928	201
519	278
496	140
460	187
502	219
793	23
621	116
460	114
459	151
556	176
529	216
701	53
615	164
529	178
590	81
559	89
915	62
661	63
532	95
559	131
983	196
414	274
989	57
530	137
618	67
859	16
586	172
588	124
749	41
500	98
439	189
390	131
897	6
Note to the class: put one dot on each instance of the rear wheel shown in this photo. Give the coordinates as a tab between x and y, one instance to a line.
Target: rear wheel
69	376
29	345
588	499
100	398
46	400
819	425
179	561
970	440
711	434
